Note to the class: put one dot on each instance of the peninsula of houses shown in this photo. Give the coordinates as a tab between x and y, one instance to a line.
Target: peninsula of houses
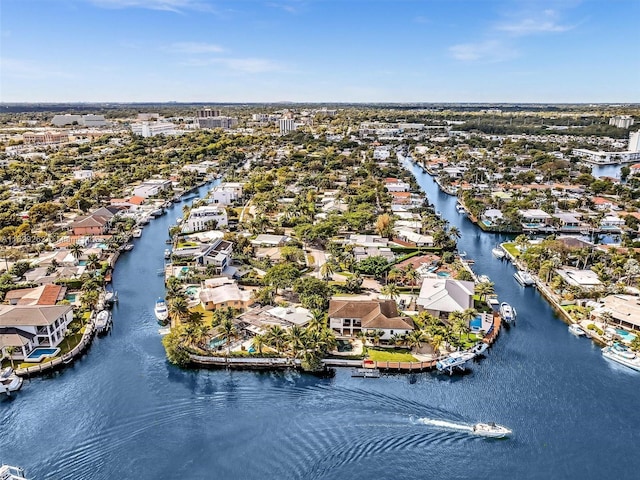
314	246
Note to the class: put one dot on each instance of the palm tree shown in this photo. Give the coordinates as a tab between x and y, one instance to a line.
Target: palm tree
76	250
454	232
89	299
10	351
318	320
93	262
227	330
327	269
469	314
376	334
195	318
295	338
258	342
415	339
458	325
178	309
436	342
485	288
412	275
277	337
391	290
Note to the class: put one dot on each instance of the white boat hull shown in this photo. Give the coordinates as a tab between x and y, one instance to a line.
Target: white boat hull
491	431
631	362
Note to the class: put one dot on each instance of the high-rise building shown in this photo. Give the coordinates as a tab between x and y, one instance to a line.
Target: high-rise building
621	121
208	113
634	141
287	125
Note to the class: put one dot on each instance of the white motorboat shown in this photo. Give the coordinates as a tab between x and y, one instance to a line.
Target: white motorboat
455	360
137	233
479	348
524	278
484	279
498	252
507	312
161	311
576	330
9	381
622	355
491	429
167	253
103	321
460	209
9	472
110	297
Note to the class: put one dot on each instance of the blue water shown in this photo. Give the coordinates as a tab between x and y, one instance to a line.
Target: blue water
124	412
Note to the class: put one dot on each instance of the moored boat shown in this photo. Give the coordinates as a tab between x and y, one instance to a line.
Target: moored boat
622	355
103	321
484	279
455	360
137	233
167	253
9	472
577	330
507	312
479	348
524	278
9	381
161	311
491	429
498	252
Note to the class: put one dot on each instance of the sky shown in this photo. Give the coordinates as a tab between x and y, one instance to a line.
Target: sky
536	51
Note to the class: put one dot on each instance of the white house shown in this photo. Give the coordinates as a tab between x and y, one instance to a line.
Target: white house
226	193
151	187
441	296
208	217
395	185
348	317
25	327
82	174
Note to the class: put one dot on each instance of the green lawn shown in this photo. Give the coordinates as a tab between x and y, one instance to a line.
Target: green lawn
391	355
511	248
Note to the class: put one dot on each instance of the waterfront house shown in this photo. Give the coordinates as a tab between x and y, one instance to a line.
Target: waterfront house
90	225
207	217
441	296
49	294
218	252
348	317
409	238
612	223
151	187
586	279
625	310
533	219
567	222
226	295
26	327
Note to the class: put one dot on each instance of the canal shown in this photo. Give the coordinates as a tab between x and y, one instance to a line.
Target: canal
123	412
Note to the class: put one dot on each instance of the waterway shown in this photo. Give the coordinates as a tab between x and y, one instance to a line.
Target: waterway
123	412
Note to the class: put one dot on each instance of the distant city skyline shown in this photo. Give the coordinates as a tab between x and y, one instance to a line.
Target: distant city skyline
556	51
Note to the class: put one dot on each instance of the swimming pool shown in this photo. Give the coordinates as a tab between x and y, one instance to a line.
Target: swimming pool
191	291
626	336
487	223
71	297
476	323
443	274
216	342
40	353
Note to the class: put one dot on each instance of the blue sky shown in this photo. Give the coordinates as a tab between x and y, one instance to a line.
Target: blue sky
321	51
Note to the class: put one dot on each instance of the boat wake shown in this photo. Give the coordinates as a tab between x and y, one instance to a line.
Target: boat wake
444	424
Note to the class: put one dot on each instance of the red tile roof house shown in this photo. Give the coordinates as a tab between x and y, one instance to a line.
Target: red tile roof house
348	317
90	225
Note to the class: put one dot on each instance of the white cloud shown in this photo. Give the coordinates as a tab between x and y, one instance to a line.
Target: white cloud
546	22
243	65
194	48
490	51
177	6
12	67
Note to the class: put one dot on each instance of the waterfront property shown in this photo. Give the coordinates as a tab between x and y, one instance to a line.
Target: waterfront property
24	328
440	296
349	317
